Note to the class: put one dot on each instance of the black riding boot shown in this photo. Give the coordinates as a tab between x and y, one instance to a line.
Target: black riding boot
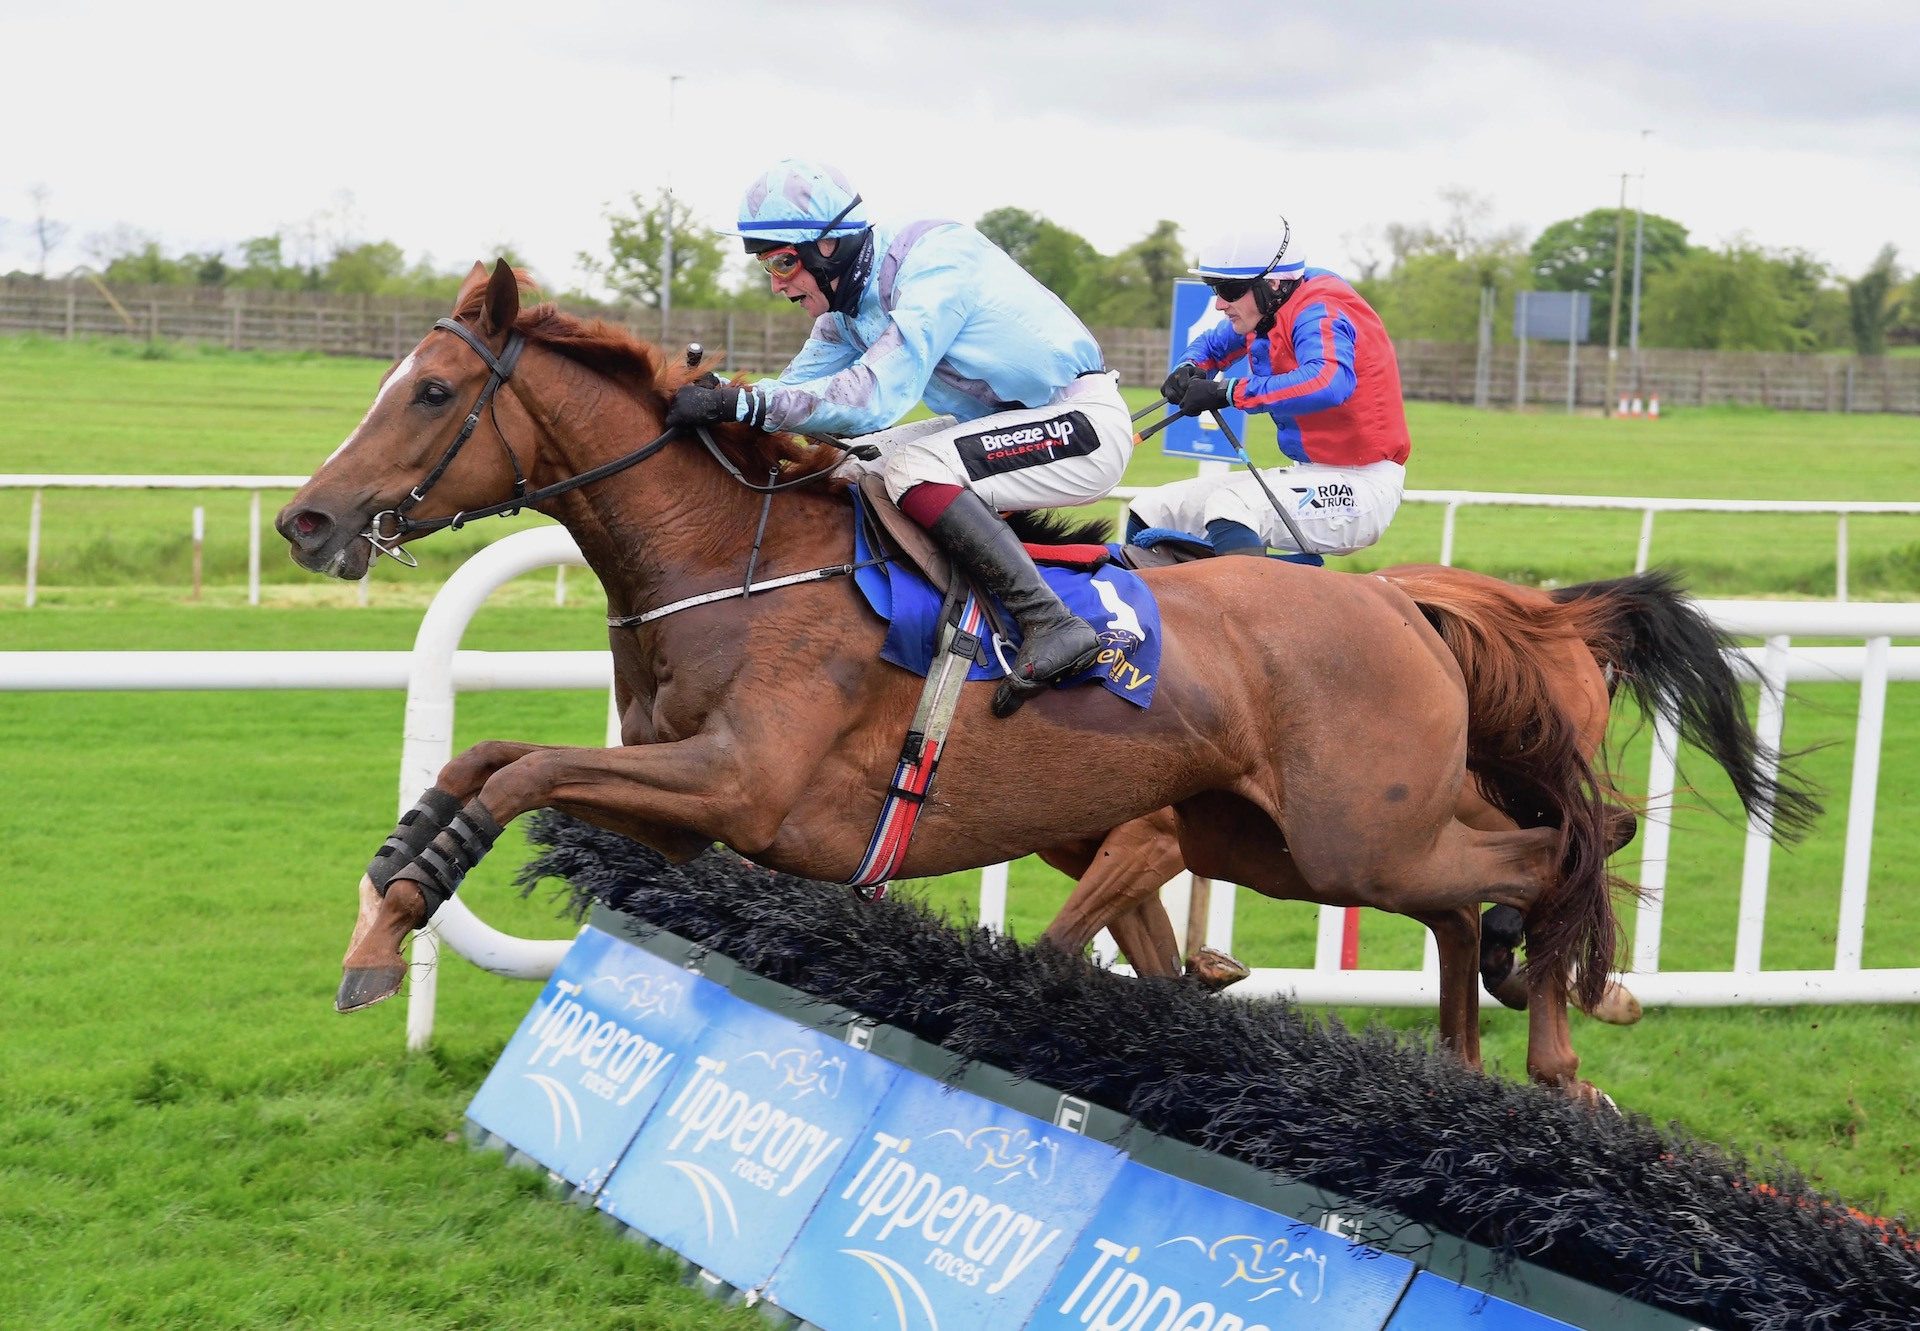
1053	640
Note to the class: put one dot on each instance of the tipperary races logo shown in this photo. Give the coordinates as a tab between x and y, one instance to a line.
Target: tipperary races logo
1110	1294
1009	1152
959	1229
808	1071
576	1048
1274	1266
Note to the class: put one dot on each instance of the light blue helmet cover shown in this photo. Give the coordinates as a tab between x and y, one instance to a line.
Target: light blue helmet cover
795	201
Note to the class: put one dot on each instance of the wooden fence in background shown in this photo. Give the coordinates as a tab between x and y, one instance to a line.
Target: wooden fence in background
758	343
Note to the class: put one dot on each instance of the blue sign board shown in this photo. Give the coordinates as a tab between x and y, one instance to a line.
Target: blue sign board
746	1140
1552	316
1162	1252
949	1212
1196	436
593	1056
1437	1304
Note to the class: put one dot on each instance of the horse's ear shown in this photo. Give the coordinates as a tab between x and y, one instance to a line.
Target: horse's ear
470	285
503	299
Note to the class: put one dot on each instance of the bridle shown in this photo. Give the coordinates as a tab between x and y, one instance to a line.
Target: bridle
389	527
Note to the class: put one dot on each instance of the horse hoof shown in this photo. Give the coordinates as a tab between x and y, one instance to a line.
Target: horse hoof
1617	1007
1213	970
1593	1097
363	986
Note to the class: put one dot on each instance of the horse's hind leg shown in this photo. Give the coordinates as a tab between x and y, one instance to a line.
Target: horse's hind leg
1456	934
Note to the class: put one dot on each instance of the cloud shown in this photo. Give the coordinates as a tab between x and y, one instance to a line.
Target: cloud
458	126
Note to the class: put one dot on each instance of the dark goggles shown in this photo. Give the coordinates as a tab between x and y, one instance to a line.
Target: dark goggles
1230	289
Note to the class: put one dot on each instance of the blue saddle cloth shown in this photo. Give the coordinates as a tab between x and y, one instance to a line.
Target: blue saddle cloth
1119	605
1148	537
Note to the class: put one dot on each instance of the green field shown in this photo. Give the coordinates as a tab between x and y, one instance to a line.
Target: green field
106	407
190	1137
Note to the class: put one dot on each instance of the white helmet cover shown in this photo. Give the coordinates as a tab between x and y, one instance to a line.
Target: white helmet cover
1250	254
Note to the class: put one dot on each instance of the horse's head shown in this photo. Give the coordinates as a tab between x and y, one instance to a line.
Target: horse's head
431	445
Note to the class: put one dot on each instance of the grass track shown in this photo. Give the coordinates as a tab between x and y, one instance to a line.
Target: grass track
189	1137
104	407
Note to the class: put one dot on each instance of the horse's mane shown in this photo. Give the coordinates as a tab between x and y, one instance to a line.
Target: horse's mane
1056	528
616	352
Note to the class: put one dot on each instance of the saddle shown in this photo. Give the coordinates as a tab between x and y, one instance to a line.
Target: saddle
900	536
1162	547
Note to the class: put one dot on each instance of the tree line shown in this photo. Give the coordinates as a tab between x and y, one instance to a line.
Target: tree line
1425	278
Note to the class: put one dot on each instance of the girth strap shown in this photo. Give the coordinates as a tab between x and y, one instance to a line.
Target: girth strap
926	740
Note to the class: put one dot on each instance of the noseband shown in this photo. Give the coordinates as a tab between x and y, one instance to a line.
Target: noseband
390	526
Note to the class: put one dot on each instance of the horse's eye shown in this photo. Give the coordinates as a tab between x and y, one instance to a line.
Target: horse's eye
431	394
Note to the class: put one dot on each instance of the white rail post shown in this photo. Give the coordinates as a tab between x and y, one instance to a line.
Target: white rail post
253	550
33	550
560	584
1646	542
1758	861
1446	535
1326	938
1860	804
993	897
427	747
1656	833
1840	560
1220	915
199	540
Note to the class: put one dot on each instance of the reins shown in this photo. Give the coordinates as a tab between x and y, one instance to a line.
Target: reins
499	370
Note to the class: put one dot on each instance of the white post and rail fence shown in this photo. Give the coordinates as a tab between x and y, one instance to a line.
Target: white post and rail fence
1451	502
437	669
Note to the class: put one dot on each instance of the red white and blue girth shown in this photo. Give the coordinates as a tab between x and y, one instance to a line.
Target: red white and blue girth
920	754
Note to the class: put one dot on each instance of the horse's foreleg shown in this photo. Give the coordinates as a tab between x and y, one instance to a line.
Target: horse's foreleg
1456	933
687	786
1130	866
1145	936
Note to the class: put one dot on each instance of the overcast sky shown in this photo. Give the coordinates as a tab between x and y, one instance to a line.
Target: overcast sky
453	127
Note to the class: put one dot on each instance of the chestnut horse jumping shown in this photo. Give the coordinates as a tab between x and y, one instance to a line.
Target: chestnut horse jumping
1577	645
1310	729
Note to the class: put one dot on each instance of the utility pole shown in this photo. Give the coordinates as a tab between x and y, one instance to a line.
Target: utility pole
666	248
1613	311
1639	244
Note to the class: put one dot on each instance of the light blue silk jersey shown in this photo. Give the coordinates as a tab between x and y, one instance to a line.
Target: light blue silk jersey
946	318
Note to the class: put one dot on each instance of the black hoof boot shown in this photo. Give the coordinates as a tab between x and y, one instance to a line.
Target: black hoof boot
1501	930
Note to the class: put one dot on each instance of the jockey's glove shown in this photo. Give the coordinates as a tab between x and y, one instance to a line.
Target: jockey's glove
1206	395
700	404
1175	387
696	404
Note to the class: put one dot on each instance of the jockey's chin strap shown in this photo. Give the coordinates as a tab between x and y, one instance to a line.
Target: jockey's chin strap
390	526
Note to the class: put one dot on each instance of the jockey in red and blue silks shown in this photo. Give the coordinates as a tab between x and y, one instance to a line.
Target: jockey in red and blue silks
1318	360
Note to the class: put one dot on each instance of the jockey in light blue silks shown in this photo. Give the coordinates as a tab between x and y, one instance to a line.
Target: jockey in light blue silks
933	311
1319	361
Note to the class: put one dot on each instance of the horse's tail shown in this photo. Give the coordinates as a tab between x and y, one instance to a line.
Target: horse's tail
1526	751
1669	655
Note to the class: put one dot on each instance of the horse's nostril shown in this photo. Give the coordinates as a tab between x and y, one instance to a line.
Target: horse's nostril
308	522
